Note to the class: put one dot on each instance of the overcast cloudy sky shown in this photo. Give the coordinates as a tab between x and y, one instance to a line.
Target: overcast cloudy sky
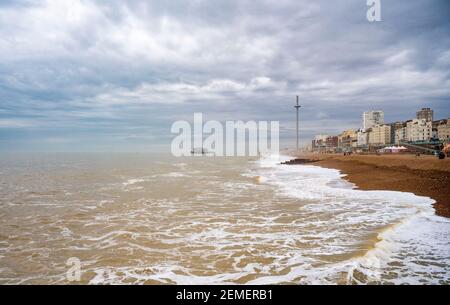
114	75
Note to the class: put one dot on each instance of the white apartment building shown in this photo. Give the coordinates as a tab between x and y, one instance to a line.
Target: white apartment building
363	138
372	118
443	131
380	135
419	130
321	137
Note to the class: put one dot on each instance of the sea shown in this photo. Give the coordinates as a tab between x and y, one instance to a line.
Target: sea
156	219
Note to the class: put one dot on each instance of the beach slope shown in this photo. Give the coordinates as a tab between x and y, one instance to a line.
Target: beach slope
421	175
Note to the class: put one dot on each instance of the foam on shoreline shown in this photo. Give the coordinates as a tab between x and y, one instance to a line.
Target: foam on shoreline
413	245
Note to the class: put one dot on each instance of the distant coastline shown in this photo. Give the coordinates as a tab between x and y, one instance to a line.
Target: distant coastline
423	176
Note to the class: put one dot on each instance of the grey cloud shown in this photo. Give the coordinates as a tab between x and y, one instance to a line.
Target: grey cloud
108	66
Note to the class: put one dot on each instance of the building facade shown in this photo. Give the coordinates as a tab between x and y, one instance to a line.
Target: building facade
348	139
372	118
380	135
435	126
332	143
419	130
400	135
325	143
320	142
363	138
394	128
425	114
443	131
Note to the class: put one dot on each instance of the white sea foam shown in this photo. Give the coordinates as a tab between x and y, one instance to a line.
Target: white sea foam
332	218
175	175
133	181
414	247
256	222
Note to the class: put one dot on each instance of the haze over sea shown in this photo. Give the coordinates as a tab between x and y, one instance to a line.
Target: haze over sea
148	218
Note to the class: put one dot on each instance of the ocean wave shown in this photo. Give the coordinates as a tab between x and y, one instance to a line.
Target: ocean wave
412	246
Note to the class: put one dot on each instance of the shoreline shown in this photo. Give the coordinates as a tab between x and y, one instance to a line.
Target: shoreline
424	176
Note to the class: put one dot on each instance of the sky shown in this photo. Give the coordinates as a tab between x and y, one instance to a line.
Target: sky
114	75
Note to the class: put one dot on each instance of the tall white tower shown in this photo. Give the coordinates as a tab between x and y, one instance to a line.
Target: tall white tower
297	107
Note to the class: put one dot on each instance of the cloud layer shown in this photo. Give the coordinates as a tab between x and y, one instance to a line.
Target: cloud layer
102	75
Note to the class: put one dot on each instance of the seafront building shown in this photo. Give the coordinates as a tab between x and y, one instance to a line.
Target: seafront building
321	138
380	135
332	143
319	143
376	134
325	143
363	137
419	130
372	118
435	126
443	131
394	128
400	135
426	114
348	139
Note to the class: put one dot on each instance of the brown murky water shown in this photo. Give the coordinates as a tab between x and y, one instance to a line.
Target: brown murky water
135	218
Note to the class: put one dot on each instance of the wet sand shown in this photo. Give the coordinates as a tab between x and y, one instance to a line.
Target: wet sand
423	175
